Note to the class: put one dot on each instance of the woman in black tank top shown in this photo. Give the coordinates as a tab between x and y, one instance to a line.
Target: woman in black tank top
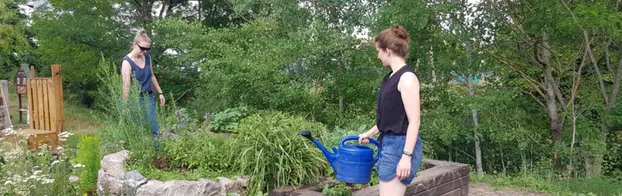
397	116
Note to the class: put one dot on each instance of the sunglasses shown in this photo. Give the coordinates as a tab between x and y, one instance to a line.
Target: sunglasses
143	48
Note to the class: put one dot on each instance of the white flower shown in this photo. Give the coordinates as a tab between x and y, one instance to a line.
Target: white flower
36	172
23	193
47	181
78	165
8	182
55	162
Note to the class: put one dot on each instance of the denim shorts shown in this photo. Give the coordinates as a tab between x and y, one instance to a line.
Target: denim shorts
391	154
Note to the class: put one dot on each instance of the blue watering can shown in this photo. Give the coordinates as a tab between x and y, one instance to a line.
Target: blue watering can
352	163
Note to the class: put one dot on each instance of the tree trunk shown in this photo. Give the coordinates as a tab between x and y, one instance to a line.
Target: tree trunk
431	53
551	103
552	96
478	150
162	9
588	164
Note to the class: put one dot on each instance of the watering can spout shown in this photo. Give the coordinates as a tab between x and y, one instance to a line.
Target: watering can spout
330	156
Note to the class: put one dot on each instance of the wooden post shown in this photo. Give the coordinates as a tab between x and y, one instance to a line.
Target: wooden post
19	98
58	94
32	71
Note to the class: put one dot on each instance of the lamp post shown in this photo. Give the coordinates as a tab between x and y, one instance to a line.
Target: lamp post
20	82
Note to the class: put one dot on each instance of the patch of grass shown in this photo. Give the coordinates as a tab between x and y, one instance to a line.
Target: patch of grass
571	187
78	119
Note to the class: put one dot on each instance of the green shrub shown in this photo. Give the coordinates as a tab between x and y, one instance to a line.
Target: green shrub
338	189
88	155
267	147
196	150
228	120
178	122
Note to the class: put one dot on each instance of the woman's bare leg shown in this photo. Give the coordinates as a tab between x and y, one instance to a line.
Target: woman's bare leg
392	188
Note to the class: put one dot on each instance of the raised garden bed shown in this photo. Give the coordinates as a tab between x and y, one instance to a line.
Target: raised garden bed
438	178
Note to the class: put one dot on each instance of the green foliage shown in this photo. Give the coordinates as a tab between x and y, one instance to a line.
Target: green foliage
228	120
338	189
268	148
613	158
88	155
30	172
79	51
300	59
14	45
199	150
180	122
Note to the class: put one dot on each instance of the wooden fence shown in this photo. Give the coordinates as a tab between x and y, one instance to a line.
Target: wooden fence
46	108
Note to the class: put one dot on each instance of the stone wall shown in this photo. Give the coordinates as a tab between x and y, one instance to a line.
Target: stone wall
113	180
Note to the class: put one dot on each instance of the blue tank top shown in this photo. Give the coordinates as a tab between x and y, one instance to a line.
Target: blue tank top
143	76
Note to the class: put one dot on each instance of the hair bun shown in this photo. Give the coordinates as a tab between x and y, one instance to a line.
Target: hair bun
142	31
400	32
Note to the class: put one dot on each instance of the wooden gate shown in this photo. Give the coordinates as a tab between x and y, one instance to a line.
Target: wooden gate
46	108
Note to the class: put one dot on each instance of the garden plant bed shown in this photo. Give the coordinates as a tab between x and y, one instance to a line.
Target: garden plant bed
438	178
114	180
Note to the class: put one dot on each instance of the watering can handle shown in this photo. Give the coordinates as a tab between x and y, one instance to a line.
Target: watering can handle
373	141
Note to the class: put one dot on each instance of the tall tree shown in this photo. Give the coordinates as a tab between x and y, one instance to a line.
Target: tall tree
14	41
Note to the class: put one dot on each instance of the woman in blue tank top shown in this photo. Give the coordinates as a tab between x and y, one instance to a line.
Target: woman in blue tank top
397	116
138	64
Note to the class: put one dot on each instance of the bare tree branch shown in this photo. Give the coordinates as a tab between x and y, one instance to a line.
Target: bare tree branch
531	81
589	51
575	88
607	55
595	65
616	86
534	97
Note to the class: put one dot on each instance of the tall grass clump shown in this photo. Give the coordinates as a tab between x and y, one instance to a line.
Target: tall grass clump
267	147
88	156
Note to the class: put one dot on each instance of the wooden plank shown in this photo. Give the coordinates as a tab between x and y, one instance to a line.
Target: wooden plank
53	105
46	106
443	188
464	190
437	173
455	192
40	105
38	137
427	179
30	103
58	86
306	192
35	103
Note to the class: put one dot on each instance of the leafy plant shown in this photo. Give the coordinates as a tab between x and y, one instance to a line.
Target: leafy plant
196	151
180	122
338	189
228	120
88	156
267	147
30	172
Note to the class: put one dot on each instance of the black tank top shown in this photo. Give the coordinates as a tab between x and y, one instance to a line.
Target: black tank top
390	113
